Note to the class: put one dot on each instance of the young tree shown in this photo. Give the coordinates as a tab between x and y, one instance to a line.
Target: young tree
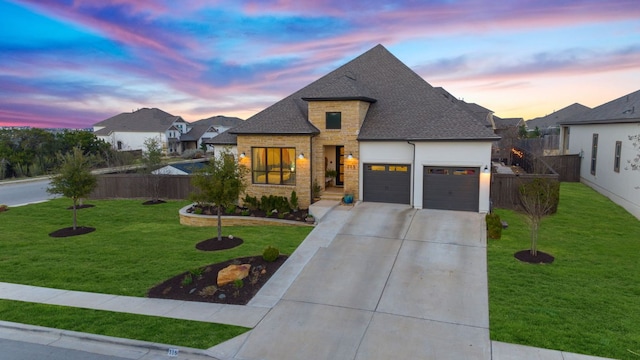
152	160
74	179
539	198
221	183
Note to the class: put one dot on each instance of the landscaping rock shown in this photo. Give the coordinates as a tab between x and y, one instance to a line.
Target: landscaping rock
232	273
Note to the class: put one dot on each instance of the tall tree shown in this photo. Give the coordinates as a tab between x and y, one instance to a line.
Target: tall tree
220	183
74	179
539	198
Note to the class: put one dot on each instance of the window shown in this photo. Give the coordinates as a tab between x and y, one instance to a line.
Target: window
119	145
401	168
616	159
334	120
377	168
594	153
276	166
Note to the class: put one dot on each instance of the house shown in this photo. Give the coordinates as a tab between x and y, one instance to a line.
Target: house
606	137
390	136
129	131
203	130
183	168
507	129
549	124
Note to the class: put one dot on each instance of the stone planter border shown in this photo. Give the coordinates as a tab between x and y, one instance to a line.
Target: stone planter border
190	219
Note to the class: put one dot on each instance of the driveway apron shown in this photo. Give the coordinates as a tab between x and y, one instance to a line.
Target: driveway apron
394	283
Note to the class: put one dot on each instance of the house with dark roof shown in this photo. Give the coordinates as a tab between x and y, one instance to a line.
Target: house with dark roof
550	123
129	131
387	133
607	137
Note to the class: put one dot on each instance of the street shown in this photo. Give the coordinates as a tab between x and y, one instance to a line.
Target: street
23	192
18	350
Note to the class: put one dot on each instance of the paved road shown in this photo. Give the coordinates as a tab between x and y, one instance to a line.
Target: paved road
24	192
18	350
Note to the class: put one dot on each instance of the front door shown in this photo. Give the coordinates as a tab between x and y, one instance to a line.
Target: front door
340	165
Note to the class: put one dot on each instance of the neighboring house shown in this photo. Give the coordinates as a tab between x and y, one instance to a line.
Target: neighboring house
206	129
390	136
507	129
603	137
129	131
224	140
549	124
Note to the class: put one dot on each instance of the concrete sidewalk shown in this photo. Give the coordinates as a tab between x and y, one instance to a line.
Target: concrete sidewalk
375	281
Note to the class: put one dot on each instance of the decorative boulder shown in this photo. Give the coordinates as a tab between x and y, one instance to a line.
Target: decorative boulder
232	273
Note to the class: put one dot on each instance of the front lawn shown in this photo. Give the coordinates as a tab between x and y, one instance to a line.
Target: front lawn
133	248
588	300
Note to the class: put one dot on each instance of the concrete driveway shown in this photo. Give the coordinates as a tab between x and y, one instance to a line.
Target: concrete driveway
391	283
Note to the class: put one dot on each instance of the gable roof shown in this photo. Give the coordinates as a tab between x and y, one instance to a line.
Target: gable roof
200	127
481	113
625	109
142	120
505	123
403	105
225	138
553	119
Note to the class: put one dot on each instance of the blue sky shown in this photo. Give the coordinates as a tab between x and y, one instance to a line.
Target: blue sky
72	63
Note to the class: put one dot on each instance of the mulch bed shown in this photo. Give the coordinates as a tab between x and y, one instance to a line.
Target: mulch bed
541	258
66	232
83	206
203	287
153	202
298	215
214	244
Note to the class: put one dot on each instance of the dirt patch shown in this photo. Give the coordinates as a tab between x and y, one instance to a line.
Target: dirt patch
541	258
66	232
214	244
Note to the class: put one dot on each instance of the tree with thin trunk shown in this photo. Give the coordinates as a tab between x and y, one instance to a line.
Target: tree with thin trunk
538	198
74	179
152	160
220	183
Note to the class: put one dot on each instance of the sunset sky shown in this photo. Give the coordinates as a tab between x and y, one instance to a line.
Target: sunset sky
72	63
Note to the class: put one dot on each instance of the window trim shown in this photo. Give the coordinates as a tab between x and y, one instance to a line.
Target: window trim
617	156
594	153
266	172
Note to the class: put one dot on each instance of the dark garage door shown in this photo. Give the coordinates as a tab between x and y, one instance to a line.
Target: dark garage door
388	183
451	188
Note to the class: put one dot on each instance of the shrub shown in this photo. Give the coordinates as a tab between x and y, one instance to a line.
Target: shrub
251	202
192	154
196	272
3	208
245	213
270	254
238	283
230	210
198	211
494	226
188	280
294	201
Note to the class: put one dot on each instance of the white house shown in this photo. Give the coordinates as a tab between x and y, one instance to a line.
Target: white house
604	136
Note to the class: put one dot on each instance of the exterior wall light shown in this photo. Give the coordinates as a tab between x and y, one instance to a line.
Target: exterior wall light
301	156
486	169
350	156
242	156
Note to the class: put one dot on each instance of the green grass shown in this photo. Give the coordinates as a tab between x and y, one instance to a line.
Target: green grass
588	300
193	334
133	248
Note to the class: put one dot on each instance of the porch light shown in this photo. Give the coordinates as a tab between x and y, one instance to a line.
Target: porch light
301	156
350	156
242	155
486	169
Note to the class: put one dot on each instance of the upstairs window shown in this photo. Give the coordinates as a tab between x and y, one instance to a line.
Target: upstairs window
334	120
616	159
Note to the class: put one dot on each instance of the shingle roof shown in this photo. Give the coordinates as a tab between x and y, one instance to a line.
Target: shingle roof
226	138
406	107
142	120
505	123
553	119
621	110
482	114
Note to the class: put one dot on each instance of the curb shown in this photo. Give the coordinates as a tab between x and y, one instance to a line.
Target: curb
98	344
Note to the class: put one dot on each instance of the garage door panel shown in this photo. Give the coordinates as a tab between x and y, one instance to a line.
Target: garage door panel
387	183
451	188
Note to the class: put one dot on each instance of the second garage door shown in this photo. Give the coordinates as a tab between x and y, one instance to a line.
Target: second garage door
388	183
451	188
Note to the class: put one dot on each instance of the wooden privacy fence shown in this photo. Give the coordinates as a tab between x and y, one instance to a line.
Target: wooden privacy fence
505	193
567	166
131	186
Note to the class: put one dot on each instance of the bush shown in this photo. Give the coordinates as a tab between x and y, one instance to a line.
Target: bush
251	202
230	210
3	208
270	254
494	226
270	203
294	201
192	154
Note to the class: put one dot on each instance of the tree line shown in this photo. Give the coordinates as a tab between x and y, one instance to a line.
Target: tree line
34	152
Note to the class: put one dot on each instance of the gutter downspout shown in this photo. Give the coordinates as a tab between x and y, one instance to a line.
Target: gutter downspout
413	170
